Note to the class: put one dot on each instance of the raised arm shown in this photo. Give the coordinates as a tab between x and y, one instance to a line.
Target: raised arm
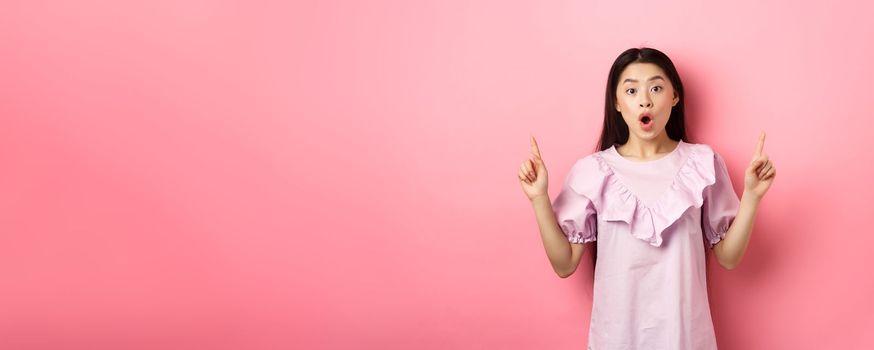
563	255
758	178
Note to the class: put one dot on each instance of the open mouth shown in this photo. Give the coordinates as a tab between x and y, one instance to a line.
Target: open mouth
645	119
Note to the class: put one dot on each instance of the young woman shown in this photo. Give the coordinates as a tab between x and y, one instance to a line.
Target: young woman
652	201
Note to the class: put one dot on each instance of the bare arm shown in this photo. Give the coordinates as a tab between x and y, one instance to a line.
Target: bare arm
731	249
563	255
758	178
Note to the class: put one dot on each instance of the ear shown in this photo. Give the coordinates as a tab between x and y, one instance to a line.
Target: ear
676	99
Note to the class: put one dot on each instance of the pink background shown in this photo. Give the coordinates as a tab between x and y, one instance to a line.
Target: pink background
326	175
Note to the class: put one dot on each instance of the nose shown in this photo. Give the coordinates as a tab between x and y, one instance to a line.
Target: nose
646	103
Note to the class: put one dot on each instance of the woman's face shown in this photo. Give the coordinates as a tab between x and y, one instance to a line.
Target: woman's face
644	90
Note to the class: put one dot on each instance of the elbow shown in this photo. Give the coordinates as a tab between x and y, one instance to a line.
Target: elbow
729	265
564	273
727	260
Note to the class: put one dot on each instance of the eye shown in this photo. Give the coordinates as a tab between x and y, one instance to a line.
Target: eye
627	91
656	88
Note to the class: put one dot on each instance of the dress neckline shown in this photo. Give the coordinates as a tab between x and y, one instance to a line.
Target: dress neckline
614	201
669	155
677	152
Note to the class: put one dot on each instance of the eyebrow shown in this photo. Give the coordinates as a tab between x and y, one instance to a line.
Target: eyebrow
650	79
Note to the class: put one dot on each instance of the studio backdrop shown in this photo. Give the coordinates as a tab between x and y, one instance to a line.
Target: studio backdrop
196	174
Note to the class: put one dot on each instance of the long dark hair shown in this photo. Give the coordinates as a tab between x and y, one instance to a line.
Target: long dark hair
615	131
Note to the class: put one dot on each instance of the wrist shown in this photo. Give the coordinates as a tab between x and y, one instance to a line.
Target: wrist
751	196
540	198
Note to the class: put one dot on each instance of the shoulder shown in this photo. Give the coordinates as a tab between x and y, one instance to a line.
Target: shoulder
588	173
707	160
704	153
700	147
588	164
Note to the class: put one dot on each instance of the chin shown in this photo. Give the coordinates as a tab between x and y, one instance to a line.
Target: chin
649	135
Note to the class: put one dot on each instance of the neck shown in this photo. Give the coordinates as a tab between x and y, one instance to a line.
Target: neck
645	149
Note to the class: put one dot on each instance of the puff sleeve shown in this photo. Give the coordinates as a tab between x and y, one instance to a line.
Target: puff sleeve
575	213
720	204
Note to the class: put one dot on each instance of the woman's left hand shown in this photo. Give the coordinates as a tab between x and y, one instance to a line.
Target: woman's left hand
760	173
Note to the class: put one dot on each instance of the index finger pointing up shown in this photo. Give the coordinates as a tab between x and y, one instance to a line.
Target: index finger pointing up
534	148
760	147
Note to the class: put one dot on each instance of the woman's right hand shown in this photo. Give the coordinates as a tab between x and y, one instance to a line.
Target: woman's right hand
532	174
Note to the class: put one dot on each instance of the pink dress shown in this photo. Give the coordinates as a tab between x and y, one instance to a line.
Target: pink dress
652	221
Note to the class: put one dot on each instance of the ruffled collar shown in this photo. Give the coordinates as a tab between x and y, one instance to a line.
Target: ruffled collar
615	202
